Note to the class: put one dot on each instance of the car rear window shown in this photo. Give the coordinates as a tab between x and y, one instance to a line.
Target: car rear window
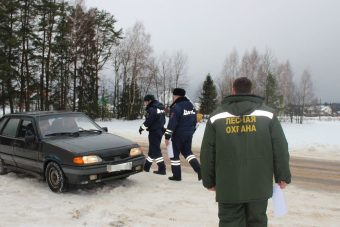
11	127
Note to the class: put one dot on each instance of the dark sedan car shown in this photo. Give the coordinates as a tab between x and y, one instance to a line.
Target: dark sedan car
65	148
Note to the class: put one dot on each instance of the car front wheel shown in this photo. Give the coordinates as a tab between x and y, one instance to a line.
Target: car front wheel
55	177
3	170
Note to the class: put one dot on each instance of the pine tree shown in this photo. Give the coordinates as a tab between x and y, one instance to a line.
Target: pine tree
28	64
63	58
53	53
9	51
208	99
273	98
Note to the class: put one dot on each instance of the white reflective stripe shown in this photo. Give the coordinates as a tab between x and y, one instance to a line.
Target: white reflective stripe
262	113
191	159
143	127
159	160
190	156
168	130
159	111
221	116
259	113
149	159
175	164
175	161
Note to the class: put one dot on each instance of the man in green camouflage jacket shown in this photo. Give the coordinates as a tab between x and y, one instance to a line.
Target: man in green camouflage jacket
243	147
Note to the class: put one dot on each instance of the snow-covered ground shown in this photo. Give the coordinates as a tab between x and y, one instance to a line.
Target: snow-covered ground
147	199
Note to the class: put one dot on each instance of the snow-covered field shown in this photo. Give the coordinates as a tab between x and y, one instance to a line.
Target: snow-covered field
313	139
147	199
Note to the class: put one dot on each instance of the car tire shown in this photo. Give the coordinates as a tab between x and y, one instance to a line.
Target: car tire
3	170
55	178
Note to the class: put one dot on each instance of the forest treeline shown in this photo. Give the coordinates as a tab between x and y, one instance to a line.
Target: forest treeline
51	54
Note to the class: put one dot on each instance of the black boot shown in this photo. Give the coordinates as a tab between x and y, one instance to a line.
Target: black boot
161	169
176	171
199	175
147	166
197	167
174	178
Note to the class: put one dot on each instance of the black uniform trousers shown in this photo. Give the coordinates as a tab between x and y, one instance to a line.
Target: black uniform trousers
251	214
155	153
181	144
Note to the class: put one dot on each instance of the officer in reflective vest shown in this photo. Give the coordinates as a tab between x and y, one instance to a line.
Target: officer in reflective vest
181	127
154	123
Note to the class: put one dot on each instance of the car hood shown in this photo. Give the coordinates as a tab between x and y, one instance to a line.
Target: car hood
90	143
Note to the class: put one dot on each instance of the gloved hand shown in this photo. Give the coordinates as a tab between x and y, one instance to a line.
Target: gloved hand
140	130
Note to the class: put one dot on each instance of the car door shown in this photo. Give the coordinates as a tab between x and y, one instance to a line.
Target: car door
26	153
7	138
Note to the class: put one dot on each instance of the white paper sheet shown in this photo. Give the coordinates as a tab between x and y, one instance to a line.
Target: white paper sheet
279	203
170	150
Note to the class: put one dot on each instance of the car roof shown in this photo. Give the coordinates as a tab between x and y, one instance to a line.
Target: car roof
40	113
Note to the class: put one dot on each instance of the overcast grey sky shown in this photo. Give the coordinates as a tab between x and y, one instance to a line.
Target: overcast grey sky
305	32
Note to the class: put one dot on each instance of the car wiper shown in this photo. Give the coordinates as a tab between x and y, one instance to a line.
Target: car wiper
91	130
63	133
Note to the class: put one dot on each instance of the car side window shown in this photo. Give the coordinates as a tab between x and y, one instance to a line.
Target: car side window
26	129
2	123
11	127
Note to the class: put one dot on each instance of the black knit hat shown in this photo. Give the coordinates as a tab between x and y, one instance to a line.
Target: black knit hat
178	92
149	98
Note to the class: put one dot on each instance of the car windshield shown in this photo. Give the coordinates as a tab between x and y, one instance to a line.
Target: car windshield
66	124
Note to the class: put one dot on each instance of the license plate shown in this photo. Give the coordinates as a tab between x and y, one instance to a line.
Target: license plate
119	167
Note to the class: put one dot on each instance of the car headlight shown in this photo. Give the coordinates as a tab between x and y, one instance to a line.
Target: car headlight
135	151
91	159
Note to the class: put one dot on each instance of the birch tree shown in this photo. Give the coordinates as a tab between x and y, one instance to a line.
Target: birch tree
285	82
179	68
306	92
229	73
132	61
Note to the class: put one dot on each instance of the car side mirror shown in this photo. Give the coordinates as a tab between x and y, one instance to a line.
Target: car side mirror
105	129
29	139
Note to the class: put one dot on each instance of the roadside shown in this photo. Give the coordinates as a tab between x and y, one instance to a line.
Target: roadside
307	173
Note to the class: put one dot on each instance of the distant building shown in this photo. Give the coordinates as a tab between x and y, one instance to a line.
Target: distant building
318	110
325	110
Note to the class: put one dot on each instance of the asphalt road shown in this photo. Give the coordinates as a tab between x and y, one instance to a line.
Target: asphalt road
316	174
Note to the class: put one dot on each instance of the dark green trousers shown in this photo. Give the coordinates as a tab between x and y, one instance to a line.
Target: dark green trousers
252	214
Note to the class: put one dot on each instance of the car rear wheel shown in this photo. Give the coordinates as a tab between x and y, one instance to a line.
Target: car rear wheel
3	170
55	177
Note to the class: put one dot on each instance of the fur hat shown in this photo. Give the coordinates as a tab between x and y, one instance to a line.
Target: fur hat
178	92
149	98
